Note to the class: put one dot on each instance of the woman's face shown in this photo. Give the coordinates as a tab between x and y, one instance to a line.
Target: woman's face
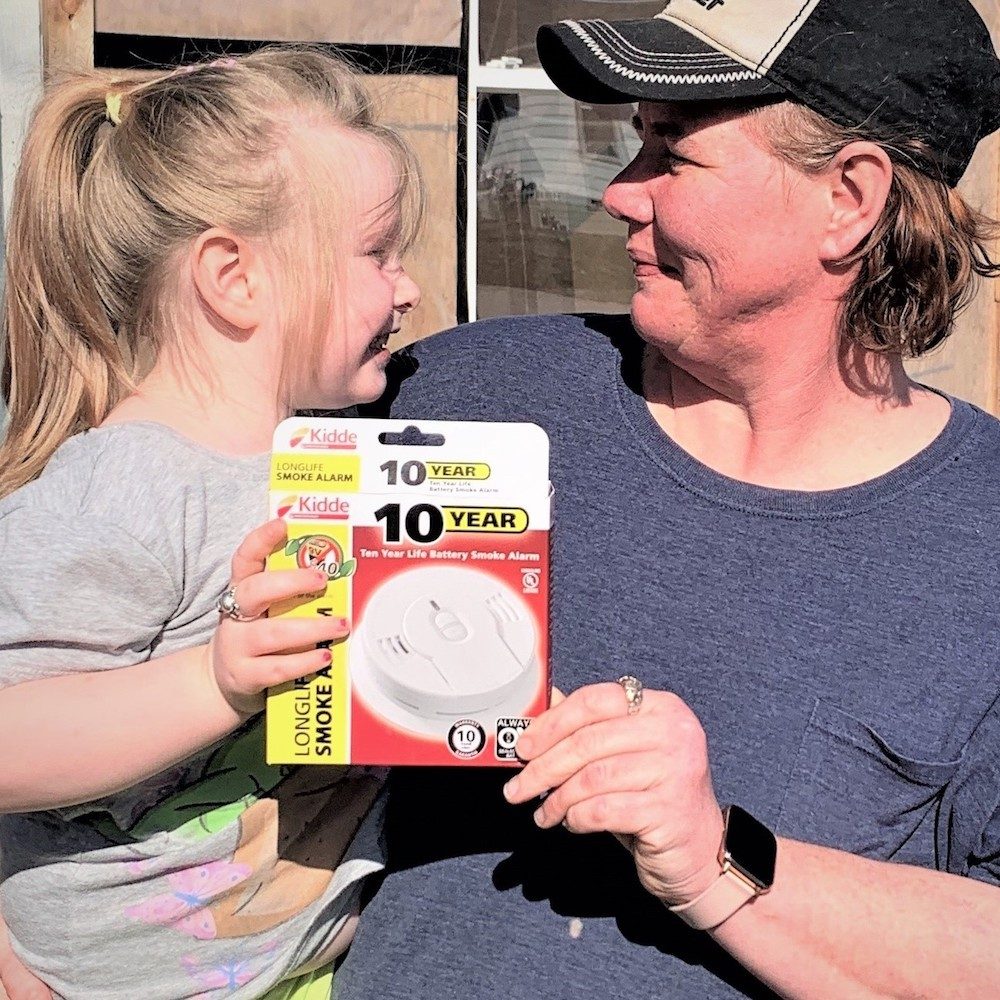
721	234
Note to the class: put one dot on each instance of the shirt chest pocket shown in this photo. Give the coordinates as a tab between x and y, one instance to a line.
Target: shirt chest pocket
849	789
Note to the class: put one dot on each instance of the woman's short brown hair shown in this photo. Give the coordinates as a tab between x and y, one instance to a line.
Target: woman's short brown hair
921	263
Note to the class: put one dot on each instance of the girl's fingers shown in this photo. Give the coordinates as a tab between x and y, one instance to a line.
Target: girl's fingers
258	592
281	635
253	551
275	670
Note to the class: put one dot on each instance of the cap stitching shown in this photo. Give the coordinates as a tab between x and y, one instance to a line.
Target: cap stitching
614	39
669	78
639	57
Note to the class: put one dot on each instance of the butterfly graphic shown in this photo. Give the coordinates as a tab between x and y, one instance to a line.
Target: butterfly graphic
228	974
191	891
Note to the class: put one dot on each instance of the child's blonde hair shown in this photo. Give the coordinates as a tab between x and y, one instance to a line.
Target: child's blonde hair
119	174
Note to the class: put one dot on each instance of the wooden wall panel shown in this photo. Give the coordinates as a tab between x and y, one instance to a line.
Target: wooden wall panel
67	35
376	22
968	364
425	110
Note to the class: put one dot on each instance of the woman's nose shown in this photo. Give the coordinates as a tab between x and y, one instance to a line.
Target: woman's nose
627	197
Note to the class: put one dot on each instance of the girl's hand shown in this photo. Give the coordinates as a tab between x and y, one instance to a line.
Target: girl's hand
17	982
247	657
644	777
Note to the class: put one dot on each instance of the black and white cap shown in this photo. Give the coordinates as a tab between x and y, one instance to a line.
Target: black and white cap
923	69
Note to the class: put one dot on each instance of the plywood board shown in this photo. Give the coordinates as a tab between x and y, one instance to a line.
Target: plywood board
375	22
68	35
425	111
968	364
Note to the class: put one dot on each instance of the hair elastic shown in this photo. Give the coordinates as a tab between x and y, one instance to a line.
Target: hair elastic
113	107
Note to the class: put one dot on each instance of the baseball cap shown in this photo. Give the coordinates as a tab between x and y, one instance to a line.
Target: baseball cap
922	69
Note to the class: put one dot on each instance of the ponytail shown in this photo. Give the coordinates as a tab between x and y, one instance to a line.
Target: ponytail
64	365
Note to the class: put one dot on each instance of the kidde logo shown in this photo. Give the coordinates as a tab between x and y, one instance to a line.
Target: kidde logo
313	508
324	440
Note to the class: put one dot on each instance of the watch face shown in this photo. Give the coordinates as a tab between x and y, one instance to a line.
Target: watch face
750	846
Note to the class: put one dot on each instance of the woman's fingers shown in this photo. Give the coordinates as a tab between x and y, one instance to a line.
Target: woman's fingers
644	777
595	703
590	745
609	776
624	814
251	556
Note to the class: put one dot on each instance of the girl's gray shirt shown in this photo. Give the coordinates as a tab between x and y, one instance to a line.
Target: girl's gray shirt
222	875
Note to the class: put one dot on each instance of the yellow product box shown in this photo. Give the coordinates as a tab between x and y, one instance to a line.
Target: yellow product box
435	538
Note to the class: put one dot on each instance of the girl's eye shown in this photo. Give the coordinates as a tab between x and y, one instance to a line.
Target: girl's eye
383	256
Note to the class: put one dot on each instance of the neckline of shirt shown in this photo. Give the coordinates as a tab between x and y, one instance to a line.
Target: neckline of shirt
713	486
131	427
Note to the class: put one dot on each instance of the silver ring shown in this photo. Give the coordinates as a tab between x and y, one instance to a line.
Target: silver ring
632	687
228	605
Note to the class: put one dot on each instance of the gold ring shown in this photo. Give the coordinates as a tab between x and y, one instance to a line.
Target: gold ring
632	687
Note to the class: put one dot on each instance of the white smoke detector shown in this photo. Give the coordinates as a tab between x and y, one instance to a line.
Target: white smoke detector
438	644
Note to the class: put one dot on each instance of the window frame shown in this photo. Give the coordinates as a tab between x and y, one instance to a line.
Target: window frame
493	77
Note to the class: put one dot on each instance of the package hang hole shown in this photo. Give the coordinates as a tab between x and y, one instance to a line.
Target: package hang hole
436	644
411	436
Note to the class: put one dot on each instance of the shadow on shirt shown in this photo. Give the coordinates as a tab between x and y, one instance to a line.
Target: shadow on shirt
576	876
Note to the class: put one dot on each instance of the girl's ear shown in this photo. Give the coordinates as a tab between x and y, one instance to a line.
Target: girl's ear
860	177
229	276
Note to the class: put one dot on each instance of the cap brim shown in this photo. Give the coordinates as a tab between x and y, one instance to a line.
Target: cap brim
614	62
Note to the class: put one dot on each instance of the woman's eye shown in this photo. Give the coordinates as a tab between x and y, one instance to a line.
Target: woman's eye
671	159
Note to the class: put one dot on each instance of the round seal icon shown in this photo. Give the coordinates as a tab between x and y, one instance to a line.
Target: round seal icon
466	739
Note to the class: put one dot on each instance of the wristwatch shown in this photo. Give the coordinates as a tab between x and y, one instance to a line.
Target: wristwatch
747	856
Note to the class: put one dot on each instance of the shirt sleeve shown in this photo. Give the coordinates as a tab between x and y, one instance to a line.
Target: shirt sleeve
77	593
969	825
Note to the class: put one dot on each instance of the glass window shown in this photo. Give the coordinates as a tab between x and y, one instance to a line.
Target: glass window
544	242
507	29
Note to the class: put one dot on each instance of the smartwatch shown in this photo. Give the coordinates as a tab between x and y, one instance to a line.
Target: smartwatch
747	857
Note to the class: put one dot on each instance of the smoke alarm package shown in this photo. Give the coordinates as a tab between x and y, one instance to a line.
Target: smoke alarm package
435	540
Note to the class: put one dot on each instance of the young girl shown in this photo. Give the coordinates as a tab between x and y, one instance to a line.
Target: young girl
190	258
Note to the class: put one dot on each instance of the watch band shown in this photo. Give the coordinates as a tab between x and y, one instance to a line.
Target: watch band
718	902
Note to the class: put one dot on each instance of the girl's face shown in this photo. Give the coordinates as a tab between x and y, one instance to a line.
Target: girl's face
377	291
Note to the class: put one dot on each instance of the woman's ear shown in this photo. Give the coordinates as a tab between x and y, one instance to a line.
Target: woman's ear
860	177
229	278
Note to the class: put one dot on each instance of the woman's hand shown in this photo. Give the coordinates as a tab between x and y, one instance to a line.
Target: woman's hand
247	657
16	980
644	777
